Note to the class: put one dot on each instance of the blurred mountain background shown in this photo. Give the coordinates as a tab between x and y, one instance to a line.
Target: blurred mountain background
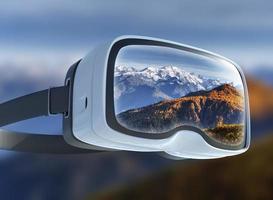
41	39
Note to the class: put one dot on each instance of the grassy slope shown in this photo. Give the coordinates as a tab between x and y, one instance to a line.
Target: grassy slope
248	176
227	133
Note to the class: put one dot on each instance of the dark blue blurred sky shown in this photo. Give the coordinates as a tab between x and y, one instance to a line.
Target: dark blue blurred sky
236	28
41	39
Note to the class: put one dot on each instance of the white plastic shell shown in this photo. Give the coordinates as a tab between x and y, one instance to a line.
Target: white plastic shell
90	125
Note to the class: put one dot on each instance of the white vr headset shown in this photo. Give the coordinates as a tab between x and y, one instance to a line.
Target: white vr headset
140	94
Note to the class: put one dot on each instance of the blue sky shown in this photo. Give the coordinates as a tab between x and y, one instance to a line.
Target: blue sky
140	57
41	39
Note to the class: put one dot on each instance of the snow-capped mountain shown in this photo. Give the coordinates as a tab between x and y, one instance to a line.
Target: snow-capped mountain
154	84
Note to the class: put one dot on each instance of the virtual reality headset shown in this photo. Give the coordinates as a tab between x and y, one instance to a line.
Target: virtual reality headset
140	94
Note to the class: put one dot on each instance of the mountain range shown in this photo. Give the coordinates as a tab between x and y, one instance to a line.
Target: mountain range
155	84
202	109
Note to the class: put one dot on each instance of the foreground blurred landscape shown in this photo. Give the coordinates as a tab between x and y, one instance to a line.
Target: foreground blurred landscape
249	176
124	175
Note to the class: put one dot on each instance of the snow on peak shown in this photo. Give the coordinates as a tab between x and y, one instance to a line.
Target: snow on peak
156	83
157	73
165	74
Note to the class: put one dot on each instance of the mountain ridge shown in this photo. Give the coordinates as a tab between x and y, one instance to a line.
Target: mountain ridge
202	110
156	84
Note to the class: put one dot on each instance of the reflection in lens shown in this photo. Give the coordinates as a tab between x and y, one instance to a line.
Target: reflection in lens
157	89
